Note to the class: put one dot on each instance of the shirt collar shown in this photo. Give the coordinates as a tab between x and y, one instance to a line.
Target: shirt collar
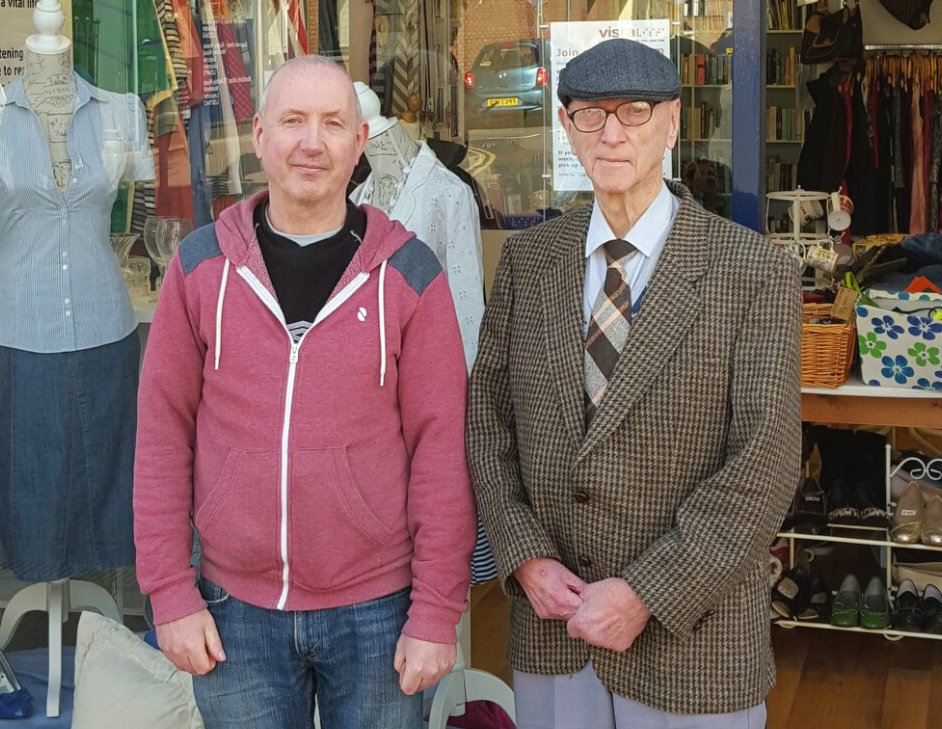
16	93
647	234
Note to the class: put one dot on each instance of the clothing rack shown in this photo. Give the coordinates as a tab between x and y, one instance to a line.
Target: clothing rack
905	47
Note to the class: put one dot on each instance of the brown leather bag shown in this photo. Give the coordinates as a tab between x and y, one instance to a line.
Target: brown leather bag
914	13
831	36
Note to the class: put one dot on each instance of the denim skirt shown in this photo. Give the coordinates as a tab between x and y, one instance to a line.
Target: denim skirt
67	428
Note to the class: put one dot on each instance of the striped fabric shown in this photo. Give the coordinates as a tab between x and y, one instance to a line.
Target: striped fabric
144	201
609	326
60	286
404	70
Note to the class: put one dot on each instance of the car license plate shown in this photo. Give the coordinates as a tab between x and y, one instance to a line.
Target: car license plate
504	101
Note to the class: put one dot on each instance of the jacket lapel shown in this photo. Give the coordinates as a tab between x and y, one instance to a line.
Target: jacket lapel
670	307
562	288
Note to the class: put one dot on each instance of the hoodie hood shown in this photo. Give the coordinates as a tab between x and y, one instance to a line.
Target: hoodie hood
239	245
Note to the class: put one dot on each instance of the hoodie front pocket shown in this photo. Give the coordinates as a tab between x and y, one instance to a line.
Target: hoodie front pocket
237	520
335	534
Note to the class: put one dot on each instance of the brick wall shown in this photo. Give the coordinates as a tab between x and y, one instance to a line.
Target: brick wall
490	21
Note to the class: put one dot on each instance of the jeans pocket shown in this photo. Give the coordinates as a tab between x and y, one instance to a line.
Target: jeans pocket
212	593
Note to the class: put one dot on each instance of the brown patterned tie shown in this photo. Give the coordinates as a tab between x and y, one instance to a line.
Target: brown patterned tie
609	325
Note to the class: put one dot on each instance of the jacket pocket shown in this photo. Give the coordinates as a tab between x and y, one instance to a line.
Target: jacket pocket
237	520
335	533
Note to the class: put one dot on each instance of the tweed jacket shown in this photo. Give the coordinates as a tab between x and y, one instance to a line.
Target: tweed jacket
685	473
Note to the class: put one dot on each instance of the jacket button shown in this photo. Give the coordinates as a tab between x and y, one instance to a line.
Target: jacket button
585	562
580	497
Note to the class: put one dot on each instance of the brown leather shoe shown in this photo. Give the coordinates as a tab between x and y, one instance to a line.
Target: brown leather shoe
906	524
932	522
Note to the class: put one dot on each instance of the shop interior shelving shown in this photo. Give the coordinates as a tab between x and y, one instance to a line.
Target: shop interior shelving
876	538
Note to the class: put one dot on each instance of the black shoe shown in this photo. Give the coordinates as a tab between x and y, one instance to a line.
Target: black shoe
865	471
819	600
932	610
907	608
842	505
811	511
790	595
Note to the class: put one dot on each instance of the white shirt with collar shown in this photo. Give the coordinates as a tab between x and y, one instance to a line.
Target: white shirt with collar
648	235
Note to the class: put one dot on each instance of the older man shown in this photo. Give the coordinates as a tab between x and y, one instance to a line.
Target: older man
303	398
633	429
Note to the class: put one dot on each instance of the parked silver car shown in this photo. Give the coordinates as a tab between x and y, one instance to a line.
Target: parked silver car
507	79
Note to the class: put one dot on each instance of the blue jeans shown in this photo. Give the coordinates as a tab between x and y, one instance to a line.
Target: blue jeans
278	661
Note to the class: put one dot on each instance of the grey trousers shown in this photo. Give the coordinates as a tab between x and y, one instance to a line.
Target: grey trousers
580	701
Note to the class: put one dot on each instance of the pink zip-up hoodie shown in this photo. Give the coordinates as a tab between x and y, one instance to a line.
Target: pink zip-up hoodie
317	474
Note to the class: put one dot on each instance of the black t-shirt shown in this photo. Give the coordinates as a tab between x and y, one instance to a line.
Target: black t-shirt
305	276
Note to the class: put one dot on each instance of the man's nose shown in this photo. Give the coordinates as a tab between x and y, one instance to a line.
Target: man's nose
311	135
613	131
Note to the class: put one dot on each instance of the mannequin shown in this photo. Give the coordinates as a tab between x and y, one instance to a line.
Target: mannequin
50	91
67	336
410	184
409	119
391	155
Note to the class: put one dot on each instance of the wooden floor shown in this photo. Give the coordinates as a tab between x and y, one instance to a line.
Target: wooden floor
826	679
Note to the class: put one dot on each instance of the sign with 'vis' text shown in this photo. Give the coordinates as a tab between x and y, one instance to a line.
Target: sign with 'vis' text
568	40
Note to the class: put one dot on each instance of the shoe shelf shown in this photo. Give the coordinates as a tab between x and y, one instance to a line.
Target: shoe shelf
875	537
888	633
882	541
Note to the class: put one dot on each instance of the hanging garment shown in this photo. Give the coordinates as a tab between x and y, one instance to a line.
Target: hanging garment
917	190
935	160
902	157
861	173
823	156
440	209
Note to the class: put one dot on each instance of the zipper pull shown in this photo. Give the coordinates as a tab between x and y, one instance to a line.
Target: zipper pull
293	357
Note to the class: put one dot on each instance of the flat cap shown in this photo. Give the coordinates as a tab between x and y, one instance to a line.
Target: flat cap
618	68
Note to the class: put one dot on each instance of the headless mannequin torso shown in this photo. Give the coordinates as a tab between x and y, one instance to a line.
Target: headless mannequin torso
50	90
390	155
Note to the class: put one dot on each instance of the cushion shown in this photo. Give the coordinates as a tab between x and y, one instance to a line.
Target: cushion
121	682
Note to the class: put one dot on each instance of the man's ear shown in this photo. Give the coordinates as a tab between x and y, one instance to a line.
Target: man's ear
565	122
674	131
257	135
363	134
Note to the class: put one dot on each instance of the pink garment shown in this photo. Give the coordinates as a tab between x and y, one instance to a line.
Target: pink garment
319	474
917	209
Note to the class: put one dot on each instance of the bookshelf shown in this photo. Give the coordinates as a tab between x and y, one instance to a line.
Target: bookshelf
786	118
703	48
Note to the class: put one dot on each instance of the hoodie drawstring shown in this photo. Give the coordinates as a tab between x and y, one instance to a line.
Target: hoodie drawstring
222	295
382	323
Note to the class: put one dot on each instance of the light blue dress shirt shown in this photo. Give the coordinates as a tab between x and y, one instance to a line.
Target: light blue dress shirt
648	235
60	286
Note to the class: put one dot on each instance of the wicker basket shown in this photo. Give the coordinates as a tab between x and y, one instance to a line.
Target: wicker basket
827	350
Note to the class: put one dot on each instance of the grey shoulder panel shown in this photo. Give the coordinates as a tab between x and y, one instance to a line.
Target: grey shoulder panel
198	246
416	263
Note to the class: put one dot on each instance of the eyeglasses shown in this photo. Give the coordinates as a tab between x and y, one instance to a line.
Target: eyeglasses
629	114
